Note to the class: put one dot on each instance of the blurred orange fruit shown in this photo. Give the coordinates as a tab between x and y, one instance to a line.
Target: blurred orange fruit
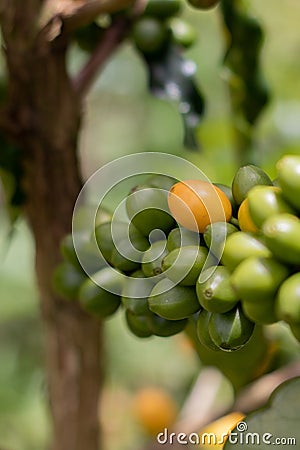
154	409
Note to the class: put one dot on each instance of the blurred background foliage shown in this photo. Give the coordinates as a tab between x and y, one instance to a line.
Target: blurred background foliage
121	117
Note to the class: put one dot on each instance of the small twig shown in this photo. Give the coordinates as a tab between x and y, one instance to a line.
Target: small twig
75	14
200	406
109	42
257	393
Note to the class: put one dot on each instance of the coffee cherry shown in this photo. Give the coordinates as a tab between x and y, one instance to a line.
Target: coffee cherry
245	220
239	246
164	328
147	208
152	259
67	280
183	265
162	8
215	236
100	298
245	179
182	32
203	4
230	331
266	201
282	235
149	34
135	292
203	332
262	312
288	300
216	294
195	204
258	279
289	179
173	302
138	325
181	237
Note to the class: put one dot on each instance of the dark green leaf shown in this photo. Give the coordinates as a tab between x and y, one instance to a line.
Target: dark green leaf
278	420
171	77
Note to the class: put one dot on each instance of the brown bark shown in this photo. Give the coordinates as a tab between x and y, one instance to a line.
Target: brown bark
44	113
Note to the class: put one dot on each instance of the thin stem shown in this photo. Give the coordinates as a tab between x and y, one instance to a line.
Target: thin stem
110	41
75	14
257	393
201	407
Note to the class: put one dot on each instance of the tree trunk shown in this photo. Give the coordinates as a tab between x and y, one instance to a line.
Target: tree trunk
44	113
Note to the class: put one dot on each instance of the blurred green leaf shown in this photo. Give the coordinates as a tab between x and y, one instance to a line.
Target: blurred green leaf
172	77
278	420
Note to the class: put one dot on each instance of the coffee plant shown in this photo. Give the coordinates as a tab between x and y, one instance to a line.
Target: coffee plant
219	263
